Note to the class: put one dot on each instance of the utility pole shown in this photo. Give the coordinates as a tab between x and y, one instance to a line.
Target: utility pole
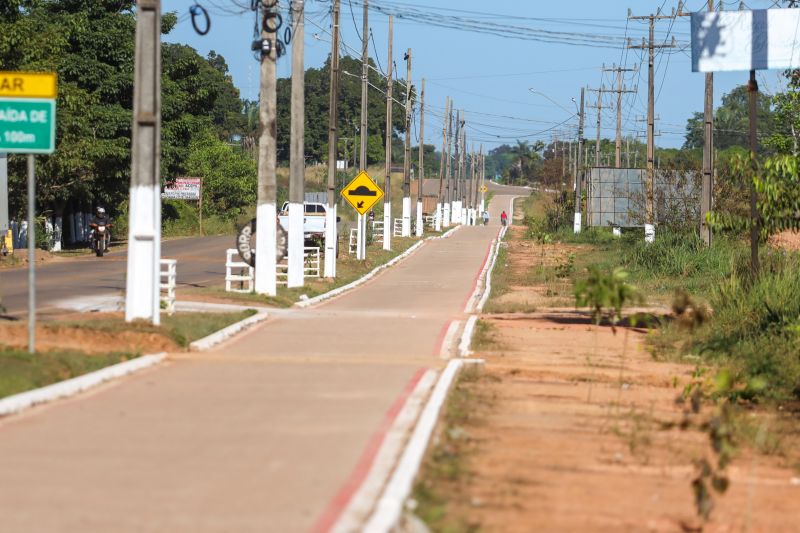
469	184
421	175
755	222
361	236
448	204
438	218
576	227
707	197
483	183
331	235
387	184
620	90
296	268
406	230
266	223
649	227
142	288
599	106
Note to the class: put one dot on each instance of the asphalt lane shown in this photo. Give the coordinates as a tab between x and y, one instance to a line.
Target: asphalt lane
201	262
258	435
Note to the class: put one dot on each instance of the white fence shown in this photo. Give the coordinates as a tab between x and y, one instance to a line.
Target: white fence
397	229
245	276
169	270
377	231
353	243
311	266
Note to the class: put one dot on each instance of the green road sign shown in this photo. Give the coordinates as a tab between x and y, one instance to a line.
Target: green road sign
27	125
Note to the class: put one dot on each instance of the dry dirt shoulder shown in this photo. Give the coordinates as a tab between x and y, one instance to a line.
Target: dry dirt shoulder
576	428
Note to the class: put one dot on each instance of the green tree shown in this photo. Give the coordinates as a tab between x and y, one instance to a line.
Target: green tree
731	121
229	176
785	139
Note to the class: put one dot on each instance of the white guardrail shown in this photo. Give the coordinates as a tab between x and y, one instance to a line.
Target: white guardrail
397	229
240	277
169	270
244	278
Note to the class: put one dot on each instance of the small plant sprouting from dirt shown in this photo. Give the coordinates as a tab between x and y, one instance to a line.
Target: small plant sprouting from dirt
605	294
711	479
566	269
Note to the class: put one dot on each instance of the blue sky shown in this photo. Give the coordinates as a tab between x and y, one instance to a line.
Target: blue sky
490	76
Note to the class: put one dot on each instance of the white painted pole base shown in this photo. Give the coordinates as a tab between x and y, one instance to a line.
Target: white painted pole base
330	242
576	225
143	285
420	220
296	273
387	225
360	237
456	213
266	241
483	206
364	237
437	220
649	233
446	215
464	219
406	231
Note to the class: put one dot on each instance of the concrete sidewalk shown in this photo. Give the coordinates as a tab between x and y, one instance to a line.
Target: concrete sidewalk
259	435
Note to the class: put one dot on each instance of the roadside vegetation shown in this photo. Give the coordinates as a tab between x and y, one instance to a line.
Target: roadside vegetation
75	346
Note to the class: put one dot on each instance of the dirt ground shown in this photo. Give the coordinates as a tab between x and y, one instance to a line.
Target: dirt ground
52	336
786	240
576	428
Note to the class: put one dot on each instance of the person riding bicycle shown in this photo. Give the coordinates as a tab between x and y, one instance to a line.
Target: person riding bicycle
503	218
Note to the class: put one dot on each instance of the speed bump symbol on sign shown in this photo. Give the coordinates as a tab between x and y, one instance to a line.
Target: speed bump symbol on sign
484	188
362	193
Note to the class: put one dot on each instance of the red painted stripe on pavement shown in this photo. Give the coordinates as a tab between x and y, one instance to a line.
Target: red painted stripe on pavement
437	351
478	275
335	508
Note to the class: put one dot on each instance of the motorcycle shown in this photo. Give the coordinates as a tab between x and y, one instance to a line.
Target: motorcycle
100	238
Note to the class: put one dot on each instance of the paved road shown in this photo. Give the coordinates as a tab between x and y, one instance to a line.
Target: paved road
201	262
259	435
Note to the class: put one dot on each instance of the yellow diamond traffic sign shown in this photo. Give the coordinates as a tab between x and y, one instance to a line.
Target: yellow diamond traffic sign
362	193
484	188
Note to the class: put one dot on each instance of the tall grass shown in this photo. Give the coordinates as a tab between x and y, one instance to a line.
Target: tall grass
756	327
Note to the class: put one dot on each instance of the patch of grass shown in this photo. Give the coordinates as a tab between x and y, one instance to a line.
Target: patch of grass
21	371
182	328
348	269
483	337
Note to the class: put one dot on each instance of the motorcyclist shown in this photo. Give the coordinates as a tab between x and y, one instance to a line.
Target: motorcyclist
101	218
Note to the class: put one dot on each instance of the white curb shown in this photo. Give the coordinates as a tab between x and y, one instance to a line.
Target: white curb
466	337
70	387
389	508
224	334
371	274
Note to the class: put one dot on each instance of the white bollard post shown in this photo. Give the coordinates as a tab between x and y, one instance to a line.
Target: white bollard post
296	245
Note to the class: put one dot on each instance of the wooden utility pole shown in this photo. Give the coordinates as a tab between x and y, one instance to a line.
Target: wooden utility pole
755	222
331	235
651	46
599	106
387	182
421	174
620	90
296	261
707	196
361	237
406	230
439	207
579	169
143	291
266	214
